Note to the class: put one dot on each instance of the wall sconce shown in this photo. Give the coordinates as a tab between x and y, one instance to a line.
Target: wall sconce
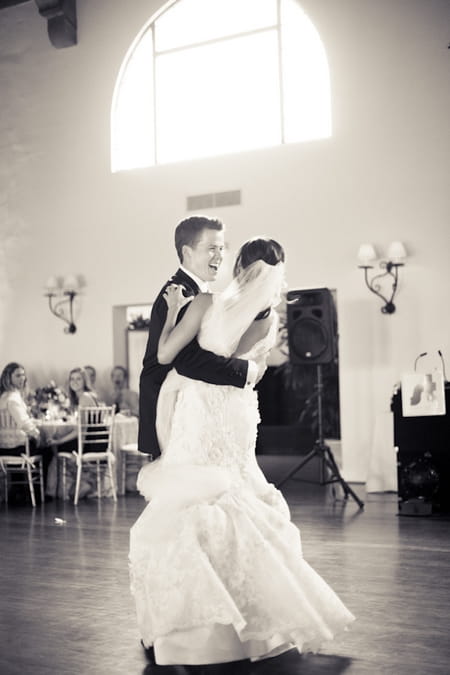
61	293
396	254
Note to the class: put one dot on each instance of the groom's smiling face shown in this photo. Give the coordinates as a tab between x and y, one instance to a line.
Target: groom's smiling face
205	258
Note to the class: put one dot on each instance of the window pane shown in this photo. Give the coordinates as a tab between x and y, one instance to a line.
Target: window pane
192	21
306	88
222	95
132	130
218	98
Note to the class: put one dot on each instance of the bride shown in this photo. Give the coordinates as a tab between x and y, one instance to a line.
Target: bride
216	564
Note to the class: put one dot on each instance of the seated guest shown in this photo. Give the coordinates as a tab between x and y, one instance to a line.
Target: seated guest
124	399
12	441
81	395
12	387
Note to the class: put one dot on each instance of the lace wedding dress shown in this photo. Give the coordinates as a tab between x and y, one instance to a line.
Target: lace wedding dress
216	564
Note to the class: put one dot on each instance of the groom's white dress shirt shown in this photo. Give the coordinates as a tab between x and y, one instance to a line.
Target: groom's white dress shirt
203	285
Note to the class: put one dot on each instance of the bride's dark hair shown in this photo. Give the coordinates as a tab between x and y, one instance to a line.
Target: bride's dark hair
258	248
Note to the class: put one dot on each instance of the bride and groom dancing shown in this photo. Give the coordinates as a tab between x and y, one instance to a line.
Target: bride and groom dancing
216	564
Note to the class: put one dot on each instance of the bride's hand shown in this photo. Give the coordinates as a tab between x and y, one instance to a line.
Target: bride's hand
174	297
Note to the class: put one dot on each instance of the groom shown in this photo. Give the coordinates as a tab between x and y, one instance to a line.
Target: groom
199	242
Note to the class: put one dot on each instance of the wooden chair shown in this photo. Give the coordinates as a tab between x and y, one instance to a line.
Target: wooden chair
22	469
126	451
95	434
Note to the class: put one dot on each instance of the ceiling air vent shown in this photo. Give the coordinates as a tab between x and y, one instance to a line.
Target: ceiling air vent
213	200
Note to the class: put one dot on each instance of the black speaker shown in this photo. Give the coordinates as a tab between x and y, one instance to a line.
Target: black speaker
312	326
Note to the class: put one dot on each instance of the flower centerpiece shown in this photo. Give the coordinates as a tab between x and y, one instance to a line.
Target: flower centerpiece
49	402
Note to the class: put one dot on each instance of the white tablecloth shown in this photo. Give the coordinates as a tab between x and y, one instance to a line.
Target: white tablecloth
126	432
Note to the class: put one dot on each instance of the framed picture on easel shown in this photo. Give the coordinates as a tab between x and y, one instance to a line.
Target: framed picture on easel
423	394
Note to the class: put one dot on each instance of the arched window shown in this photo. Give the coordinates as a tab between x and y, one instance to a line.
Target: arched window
208	77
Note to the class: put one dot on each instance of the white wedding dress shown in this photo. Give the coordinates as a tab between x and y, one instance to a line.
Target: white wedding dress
216	564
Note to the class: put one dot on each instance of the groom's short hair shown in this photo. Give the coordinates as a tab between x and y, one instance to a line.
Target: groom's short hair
189	231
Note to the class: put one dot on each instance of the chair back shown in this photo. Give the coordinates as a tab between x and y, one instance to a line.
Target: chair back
10	435
95	429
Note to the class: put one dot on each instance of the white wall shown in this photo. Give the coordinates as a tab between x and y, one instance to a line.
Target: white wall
382	176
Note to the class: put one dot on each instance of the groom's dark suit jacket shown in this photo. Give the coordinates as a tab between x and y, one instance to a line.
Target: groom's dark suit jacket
192	361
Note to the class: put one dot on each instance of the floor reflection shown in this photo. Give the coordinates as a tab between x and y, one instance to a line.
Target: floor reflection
290	663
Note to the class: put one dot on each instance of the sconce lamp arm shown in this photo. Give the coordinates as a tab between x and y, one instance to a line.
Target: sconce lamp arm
57	308
391	270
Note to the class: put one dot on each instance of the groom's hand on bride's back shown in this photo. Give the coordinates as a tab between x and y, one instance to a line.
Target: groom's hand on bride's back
256	369
262	367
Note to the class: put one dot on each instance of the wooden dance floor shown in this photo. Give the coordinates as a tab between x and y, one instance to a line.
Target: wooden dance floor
66	608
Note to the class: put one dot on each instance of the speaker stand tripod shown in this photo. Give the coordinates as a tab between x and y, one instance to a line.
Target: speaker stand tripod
323	452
